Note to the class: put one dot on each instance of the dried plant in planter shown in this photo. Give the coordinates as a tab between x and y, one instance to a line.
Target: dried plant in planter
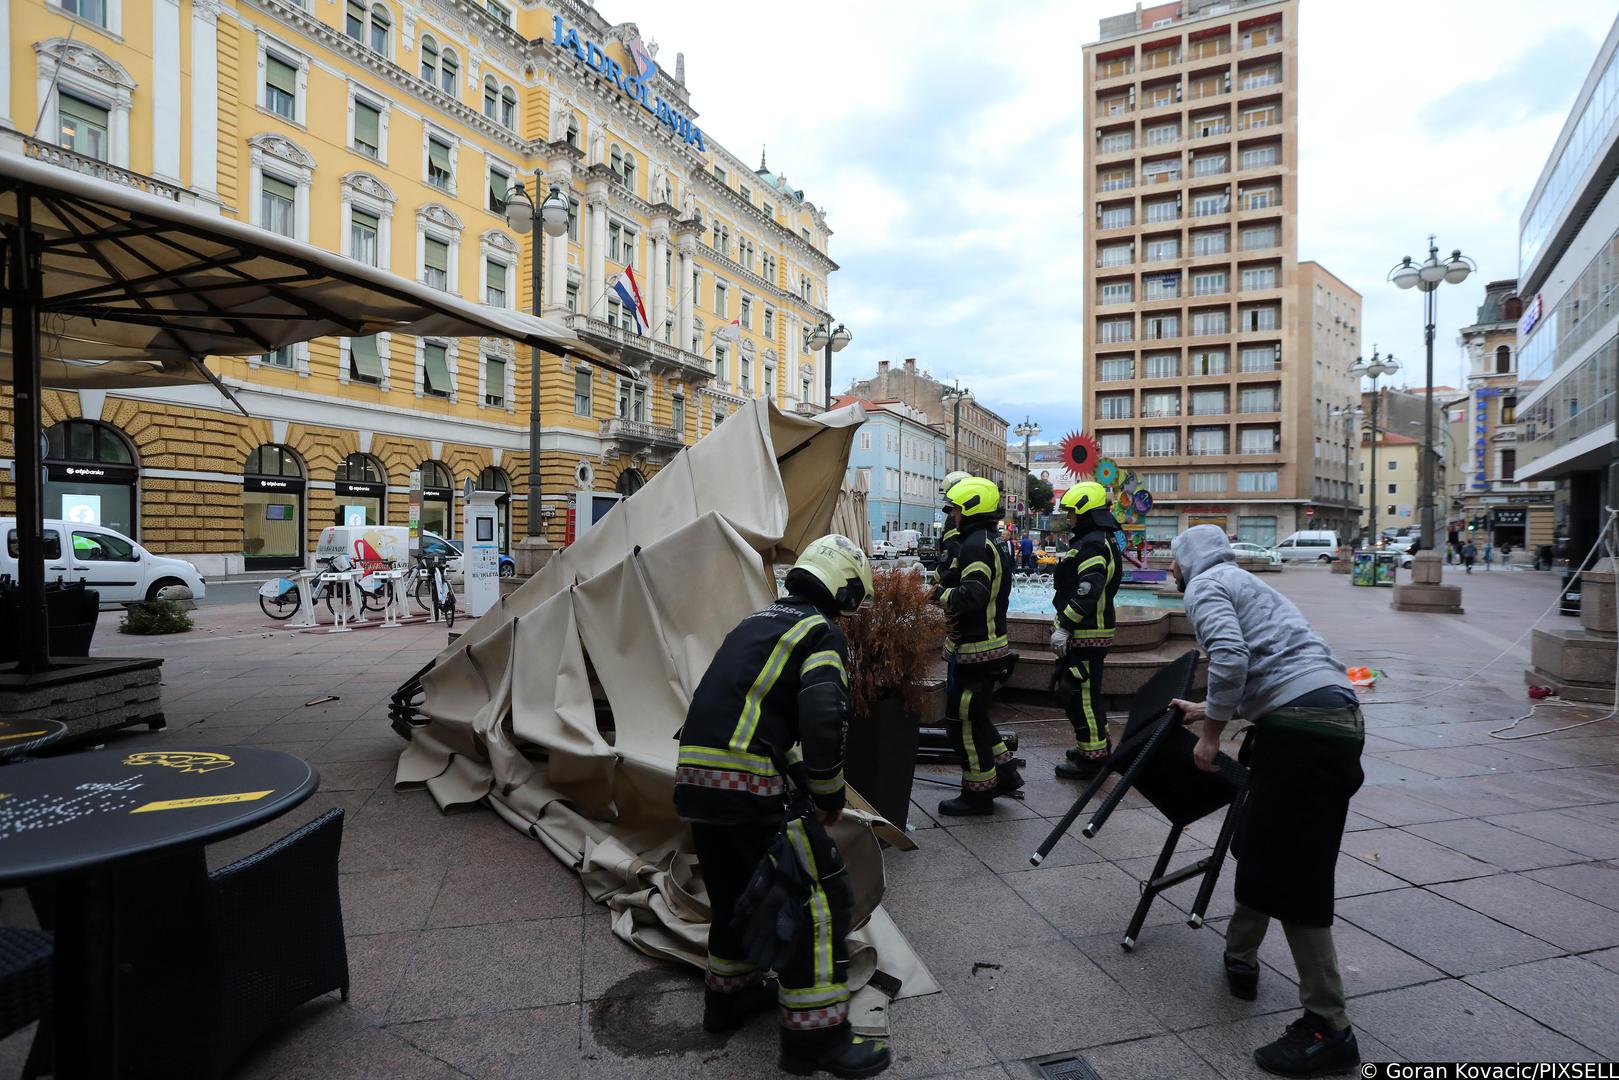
893	641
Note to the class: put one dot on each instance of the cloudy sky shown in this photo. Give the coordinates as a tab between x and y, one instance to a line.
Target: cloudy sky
943	139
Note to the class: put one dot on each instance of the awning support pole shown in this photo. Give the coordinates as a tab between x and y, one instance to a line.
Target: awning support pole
24	287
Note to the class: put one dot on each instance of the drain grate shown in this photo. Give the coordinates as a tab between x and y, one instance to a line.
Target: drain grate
1074	1068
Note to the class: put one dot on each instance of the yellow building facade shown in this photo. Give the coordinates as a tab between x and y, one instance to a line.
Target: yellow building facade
391	131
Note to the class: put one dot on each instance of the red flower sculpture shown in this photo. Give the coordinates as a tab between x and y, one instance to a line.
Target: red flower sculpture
1079	455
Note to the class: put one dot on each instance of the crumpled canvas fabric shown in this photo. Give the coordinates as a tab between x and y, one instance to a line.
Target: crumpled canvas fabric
637	607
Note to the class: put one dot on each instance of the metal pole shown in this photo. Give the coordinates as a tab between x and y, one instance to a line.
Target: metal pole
536	283
829	364
1028	511
1432	305
1372	536
955	449
1349	427
34	648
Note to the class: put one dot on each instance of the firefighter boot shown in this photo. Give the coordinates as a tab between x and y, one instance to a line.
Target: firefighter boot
969	804
835	1050
723	1013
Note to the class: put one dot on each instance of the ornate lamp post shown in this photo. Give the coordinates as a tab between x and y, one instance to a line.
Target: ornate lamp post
1427	277
521	211
1374	369
1350	415
829	339
955	397
1027	430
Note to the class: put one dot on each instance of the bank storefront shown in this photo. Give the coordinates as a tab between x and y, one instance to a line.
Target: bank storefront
272	510
91	477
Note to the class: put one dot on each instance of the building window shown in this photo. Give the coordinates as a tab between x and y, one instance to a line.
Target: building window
1117	369
1503	362
363	232
1259	277
746	315
1261	440
1208	282
571	295
770	323
1113	406
440	172
283	357
1209	403
1117	330
499	182
1116	255
436	380
1206	205
373	27
494	382
1160	443
491	98
678	412
1210	362
1118	217
1259	199
281	87
436	264
1509	408
429	59
365	360
495	287
502	13
1509	466
1117	141
367	129
1261	236
84	127
1261	357
720	357
581	393
1163	365
720	306
1256	481
1118	292
1206	441
449	75
1211	322
1260	157
1204	483
1259	399
92	11
1115	443
1260	318
573	219
278	203
1257	530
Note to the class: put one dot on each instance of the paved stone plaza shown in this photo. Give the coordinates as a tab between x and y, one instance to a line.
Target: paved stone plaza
1479	885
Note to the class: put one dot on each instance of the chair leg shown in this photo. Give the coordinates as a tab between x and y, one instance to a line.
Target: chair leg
1128	780
1228	829
1149	889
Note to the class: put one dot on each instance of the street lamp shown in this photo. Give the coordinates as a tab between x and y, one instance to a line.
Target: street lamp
1374	369
955	396
828	340
1427	277
1350	415
1027	430
553	215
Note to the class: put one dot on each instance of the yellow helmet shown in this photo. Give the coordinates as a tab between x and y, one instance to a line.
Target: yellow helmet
974	496
839	565
1085	497
951	479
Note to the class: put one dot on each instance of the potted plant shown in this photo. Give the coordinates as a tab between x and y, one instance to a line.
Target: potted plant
893	642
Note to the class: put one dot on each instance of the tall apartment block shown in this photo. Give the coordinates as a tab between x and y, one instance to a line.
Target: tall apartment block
1197	358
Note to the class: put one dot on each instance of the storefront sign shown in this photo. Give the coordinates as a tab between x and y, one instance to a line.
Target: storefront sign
264	483
1481	425
593	56
90	474
1509	515
441	494
369	491
1531	317
81	509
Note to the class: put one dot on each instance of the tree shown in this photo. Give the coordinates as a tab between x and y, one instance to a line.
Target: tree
1040	495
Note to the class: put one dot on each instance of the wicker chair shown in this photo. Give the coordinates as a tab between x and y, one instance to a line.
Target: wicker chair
25	985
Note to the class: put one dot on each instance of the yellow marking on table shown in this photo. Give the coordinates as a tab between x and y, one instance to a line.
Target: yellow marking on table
201	800
23	735
197	761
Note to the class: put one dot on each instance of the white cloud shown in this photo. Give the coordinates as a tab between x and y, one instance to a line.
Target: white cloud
944	142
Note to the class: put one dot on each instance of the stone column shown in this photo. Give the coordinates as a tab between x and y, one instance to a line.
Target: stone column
688	251
596	251
657	278
204	97
166	67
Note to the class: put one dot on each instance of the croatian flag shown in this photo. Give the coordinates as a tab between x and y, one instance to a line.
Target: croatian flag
731	331
629	294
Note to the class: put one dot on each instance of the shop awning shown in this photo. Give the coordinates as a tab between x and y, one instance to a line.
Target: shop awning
130	277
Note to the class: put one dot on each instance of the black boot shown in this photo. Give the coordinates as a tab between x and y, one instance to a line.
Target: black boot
723	1013
837	1050
1309	1048
969	804
1007	779
1243	979
1081	766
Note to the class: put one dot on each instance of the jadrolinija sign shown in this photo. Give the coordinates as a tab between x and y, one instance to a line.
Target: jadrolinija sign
636	87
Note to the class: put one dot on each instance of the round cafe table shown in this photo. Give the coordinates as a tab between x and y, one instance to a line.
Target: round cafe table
24	737
73	821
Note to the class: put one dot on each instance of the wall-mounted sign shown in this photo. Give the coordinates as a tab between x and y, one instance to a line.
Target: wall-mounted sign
637	88
1509	515
260	483
1531	317
81	509
91	474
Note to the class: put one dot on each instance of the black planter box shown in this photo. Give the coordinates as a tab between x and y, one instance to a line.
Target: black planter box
880	759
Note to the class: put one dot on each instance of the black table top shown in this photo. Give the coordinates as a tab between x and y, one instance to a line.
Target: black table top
74	812
17	737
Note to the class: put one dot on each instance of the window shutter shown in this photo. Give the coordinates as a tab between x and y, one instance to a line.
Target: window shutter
367	124
367	361
279	74
279	188
82	111
497	187
437	255
495	276
438	154
436	370
494	377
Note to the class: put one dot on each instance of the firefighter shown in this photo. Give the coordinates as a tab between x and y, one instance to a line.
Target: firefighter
1086	581
762	741
975	594
949	546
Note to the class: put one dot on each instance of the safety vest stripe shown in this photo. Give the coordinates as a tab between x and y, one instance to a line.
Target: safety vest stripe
1094	560
720	966
814	997
766	680
828	786
824	658
969	648
993	607
708	757
820	910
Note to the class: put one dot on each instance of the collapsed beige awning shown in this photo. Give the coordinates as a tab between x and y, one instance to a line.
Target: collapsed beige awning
154	286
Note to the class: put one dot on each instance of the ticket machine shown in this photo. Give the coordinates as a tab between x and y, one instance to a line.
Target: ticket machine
480	529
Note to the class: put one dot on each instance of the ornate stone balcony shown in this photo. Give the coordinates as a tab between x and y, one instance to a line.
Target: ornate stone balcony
640	351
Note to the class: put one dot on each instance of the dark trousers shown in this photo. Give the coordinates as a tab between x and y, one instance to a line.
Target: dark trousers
971	733
1079	684
813	990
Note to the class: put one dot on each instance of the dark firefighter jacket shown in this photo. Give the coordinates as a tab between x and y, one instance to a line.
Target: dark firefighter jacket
1086	581
774	703
977	592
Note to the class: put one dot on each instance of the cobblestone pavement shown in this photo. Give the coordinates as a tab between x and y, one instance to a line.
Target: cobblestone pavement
1479	885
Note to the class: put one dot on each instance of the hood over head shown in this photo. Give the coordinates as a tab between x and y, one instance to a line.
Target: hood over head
1201	547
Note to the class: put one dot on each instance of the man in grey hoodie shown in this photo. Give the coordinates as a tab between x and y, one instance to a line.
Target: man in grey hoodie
1267	665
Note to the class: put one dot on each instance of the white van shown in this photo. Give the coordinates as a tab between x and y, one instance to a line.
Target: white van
106	560
385	543
1309	545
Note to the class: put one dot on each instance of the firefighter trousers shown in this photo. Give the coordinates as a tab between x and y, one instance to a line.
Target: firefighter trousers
1080	687
971	733
813	990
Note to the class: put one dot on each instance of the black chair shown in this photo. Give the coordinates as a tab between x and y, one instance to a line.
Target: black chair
25	986
213	960
1154	756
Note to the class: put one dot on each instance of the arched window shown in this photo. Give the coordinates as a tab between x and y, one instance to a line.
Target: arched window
272	460
494	478
629	171
629	482
429	61
272	509
438	495
436	475
573	133
87	440
616	159
360	469
508	107
491	98
361	491
449	70
381	29
1503	360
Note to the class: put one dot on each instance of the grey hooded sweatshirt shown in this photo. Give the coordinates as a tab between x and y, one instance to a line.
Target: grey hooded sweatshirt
1262	652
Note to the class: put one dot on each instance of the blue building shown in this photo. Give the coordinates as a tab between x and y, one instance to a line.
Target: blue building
904	460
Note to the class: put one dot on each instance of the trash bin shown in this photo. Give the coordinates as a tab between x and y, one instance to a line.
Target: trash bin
70	611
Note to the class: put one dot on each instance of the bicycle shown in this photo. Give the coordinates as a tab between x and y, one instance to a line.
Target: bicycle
278	599
432	592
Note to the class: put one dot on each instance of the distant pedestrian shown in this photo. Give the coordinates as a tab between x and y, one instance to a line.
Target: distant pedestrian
1506	555
1025	548
1469	555
1489	554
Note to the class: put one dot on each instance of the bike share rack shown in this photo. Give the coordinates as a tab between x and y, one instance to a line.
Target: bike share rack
398	605
305	619
350	609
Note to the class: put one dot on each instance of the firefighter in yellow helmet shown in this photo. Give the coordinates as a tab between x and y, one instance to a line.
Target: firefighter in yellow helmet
949	546
759	778
975	593
1086	581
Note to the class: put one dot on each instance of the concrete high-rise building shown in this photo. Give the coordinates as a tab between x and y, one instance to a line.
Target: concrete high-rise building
1329	342
1200	361
977	445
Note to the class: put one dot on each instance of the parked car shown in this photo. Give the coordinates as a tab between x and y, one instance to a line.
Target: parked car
118	568
508	565
882	549
1246	550
927	552
1309	545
